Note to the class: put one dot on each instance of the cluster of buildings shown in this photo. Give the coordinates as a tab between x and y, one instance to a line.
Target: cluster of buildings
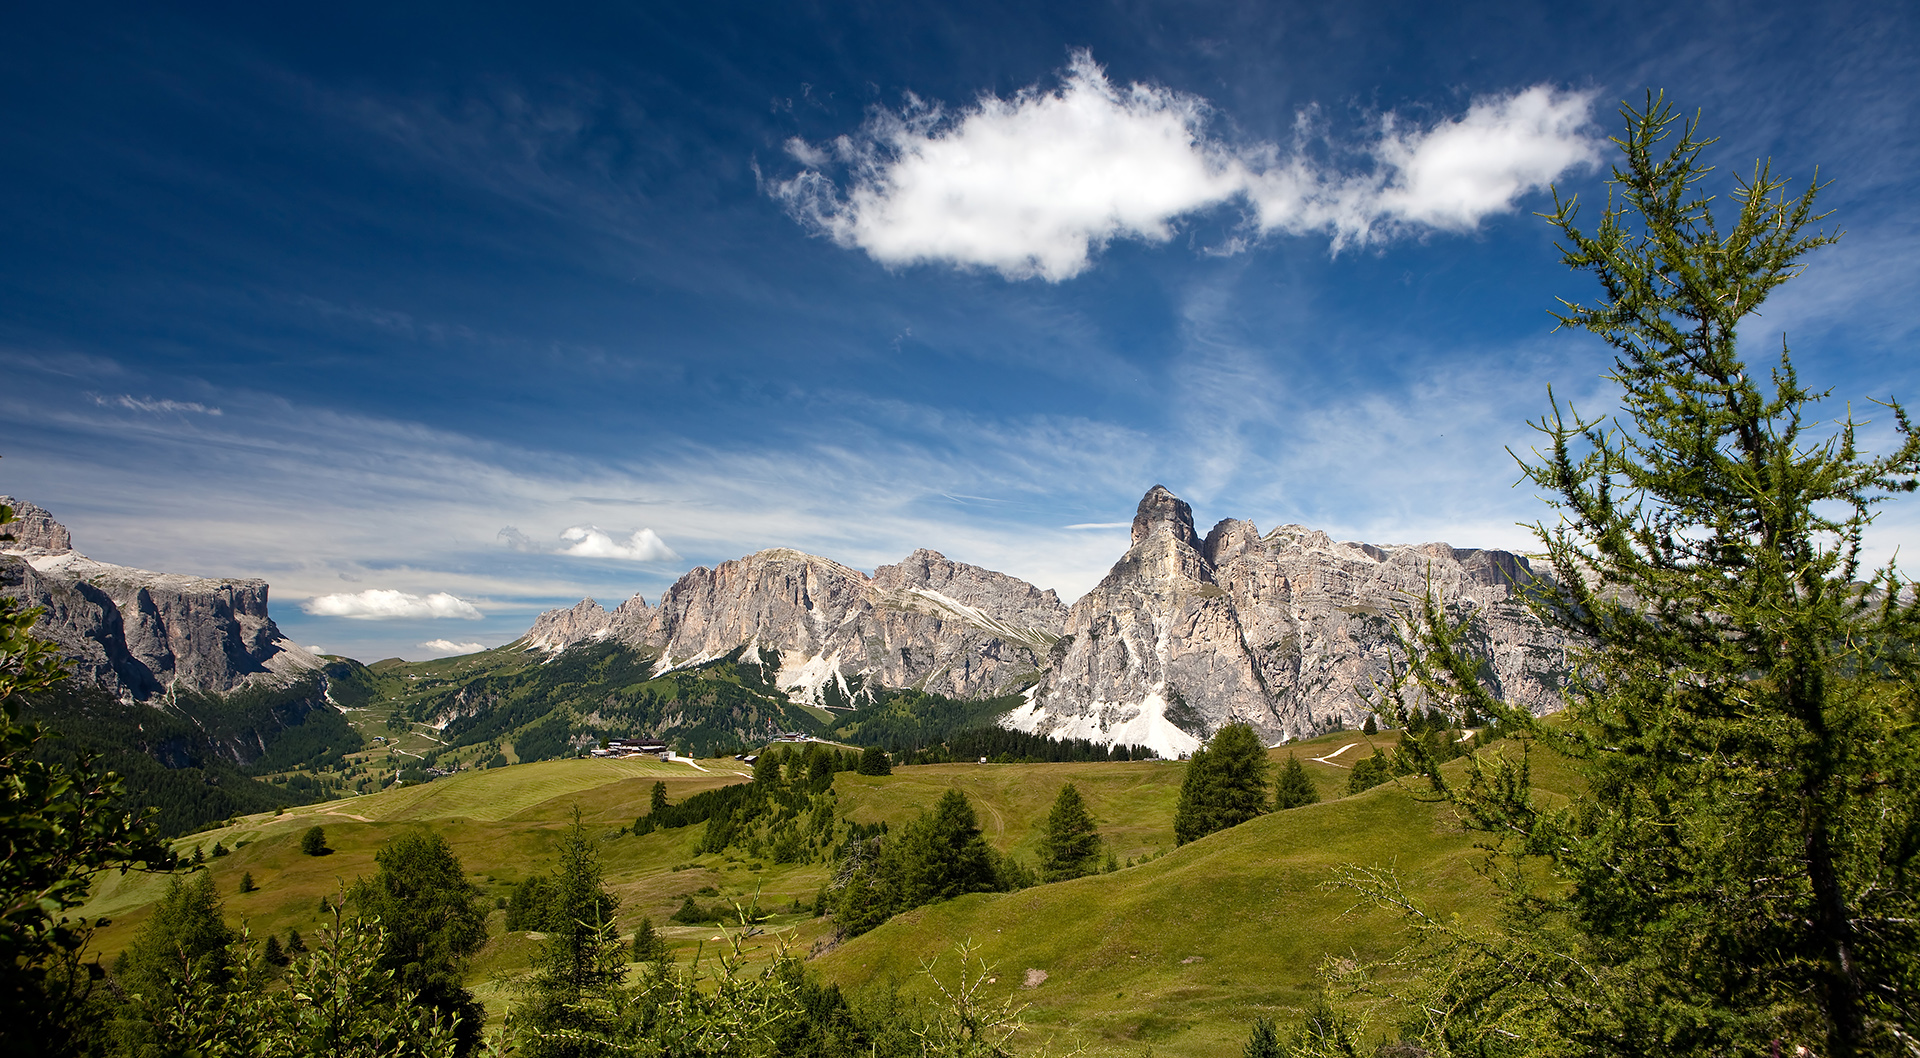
634	747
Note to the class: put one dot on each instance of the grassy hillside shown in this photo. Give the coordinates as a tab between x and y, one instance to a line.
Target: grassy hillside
1178	951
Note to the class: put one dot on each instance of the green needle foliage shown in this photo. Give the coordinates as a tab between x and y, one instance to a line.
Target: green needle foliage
1225	785
873	761
1293	788
1070	848
575	990
1740	877
434	922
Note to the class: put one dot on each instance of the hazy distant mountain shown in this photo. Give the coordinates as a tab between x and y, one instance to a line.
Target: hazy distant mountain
1183	636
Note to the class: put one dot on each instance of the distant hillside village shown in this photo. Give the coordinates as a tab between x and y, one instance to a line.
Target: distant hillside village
633	747
652	747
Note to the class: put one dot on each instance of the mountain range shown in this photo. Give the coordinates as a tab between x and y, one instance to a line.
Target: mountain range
1284	630
1185	634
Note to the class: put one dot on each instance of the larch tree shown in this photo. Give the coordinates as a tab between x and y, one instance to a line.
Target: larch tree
1739	876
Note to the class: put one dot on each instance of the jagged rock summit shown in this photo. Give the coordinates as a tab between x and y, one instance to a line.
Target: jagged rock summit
1284	632
1183	636
135	632
925	622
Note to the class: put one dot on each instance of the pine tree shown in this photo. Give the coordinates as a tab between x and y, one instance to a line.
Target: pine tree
1737	878
1263	1042
1070	848
433	922
659	799
1225	785
1294	787
873	761
295	943
649	945
1370	727
313	842
246	882
581	966
942	854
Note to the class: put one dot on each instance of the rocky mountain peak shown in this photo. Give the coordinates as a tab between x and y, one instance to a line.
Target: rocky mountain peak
1228	539
1161	508
556	629
34	527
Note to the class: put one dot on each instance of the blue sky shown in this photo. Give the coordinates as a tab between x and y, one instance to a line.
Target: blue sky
436	318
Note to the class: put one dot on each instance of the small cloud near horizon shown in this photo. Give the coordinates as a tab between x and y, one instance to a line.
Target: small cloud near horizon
385	604
447	647
591	541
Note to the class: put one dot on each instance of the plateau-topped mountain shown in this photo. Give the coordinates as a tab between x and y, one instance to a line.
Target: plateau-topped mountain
136	633
1183	636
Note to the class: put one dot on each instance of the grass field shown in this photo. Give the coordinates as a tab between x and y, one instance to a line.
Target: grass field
1179	950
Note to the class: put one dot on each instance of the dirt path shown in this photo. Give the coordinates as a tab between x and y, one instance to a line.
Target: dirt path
1328	759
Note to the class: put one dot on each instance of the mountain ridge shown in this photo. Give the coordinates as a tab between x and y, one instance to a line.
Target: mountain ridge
1184	635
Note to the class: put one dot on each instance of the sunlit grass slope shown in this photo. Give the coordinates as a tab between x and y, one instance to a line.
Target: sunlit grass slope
1179	950
1182	952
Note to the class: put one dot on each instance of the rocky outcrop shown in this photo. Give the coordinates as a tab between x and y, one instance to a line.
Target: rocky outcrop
136	633
926	622
1283	631
33	527
556	630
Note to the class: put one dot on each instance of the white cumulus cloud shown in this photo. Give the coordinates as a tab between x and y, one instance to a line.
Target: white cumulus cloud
378	604
1034	185
448	647
591	541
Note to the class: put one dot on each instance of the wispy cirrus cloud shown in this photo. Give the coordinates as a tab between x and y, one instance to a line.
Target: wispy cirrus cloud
151	406
386	604
1033	186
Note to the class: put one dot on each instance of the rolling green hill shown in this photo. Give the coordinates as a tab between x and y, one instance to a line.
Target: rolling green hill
1178	949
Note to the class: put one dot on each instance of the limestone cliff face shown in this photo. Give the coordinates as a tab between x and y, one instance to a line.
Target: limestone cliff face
556	630
1185	635
135	632
927	621
34	527
1282	631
